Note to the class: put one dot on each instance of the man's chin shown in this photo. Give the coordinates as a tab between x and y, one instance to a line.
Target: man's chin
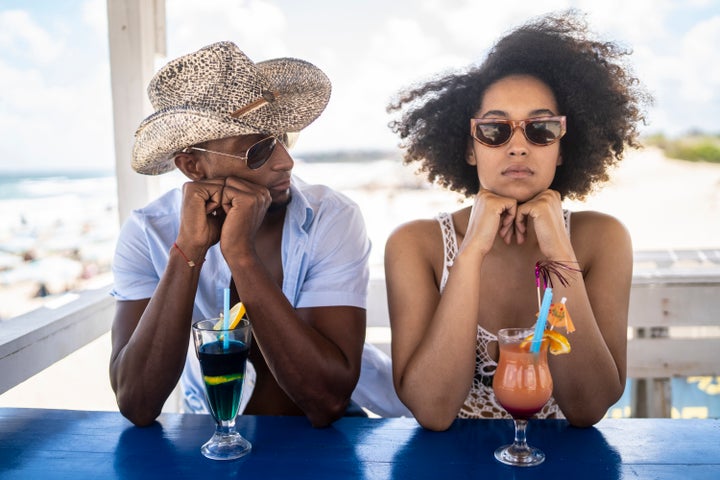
281	204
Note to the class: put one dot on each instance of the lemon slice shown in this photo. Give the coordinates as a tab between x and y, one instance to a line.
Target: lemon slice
217	380
559	343
236	314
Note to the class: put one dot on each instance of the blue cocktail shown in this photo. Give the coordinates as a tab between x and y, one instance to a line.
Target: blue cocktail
223	355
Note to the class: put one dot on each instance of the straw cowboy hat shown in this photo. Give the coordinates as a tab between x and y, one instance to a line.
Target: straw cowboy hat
218	92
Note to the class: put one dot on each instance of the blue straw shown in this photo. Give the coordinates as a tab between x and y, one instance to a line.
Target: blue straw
226	316
542	319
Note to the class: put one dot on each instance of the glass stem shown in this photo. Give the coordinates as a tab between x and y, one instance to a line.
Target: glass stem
226	427
520	438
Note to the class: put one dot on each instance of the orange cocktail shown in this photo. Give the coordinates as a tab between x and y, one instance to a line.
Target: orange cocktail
522	381
522	385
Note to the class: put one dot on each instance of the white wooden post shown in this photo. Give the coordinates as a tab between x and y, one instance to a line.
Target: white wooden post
136	30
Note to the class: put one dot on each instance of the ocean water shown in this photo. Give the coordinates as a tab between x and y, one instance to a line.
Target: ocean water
33	201
16	185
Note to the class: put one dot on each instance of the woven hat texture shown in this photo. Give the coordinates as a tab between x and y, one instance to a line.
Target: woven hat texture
218	92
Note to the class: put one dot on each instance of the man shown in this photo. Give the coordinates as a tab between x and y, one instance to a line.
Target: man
296	254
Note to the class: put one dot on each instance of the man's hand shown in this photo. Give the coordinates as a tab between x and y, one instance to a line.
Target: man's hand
245	205
200	218
229	211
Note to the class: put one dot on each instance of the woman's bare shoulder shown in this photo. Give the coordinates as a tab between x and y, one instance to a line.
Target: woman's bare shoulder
595	232
415	230
593	222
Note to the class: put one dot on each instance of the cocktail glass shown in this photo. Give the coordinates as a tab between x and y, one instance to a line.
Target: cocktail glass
223	355
522	385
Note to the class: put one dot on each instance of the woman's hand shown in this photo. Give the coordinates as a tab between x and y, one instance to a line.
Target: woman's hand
491	215
545	210
494	215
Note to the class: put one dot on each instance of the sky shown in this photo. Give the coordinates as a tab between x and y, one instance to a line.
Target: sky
56	106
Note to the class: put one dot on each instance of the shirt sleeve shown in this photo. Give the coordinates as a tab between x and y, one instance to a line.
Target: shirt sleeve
135	277
340	250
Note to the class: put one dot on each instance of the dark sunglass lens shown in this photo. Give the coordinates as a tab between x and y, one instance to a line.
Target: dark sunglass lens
543	132
260	153
492	134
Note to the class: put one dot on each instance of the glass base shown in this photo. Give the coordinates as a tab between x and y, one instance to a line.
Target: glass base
519	456
226	446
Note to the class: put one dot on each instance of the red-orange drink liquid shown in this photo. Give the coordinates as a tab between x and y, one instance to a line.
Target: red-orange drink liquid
522	381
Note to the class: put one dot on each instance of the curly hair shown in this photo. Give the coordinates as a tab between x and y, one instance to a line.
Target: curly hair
596	91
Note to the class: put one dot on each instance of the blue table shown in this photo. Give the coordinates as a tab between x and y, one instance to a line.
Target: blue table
50	444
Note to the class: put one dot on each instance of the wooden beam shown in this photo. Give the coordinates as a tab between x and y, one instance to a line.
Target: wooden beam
675	304
136	30
671	357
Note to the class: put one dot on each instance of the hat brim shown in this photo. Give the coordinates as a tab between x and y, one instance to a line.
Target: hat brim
302	92
179	129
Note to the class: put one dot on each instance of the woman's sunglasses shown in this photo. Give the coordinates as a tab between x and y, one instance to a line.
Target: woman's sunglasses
255	157
493	132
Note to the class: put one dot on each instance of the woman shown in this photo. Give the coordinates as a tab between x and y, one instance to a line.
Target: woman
542	119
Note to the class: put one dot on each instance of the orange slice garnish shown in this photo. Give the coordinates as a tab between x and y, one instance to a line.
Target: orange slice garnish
559	343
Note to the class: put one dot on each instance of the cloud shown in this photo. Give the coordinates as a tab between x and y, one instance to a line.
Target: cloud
701	72
634	22
257	26
23	40
473	26
94	16
59	113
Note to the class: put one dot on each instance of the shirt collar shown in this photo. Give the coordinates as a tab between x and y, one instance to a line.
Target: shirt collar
299	207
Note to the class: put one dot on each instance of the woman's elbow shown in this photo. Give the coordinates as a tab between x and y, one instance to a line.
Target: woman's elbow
589	415
436	414
432	419
585	419
434	423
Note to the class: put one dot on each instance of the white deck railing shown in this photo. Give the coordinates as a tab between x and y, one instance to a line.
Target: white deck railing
32	342
674	325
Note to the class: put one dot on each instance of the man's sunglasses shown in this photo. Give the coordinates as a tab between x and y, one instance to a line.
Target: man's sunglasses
255	157
494	132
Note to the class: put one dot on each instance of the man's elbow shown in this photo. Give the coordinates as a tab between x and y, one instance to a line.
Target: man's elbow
139	414
323	414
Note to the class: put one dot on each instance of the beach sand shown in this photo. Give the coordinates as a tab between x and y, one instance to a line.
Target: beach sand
665	203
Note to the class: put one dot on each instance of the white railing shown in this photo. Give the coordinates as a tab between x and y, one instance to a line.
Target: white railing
672	299
32	342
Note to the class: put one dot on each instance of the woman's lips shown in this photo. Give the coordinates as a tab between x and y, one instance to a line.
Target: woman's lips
517	171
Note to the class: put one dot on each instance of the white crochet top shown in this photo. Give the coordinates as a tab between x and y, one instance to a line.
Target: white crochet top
480	402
